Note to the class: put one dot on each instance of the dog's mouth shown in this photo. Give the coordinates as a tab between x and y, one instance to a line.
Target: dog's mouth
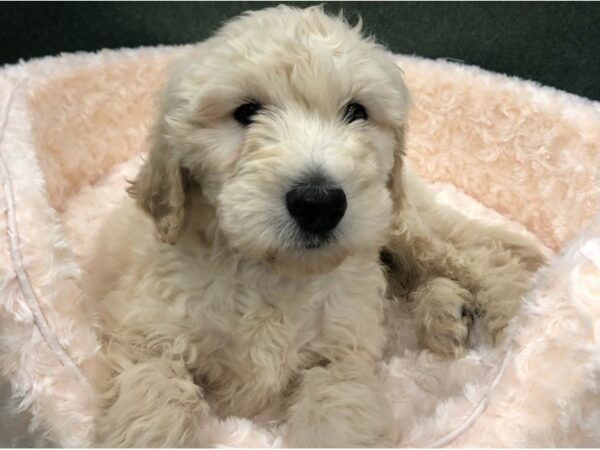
313	242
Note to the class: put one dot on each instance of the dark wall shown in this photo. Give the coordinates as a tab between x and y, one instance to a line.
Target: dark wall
557	44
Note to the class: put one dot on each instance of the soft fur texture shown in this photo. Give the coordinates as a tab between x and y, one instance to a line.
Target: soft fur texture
431	398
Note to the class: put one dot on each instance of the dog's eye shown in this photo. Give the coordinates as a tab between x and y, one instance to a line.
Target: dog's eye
244	113
355	111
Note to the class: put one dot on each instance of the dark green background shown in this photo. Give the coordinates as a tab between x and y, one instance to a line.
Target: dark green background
557	44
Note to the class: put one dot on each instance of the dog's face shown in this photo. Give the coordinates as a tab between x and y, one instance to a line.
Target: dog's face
292	124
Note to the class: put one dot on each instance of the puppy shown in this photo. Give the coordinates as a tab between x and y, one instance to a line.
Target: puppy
244	275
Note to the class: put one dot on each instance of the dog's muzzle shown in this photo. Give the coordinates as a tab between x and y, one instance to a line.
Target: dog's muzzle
317	207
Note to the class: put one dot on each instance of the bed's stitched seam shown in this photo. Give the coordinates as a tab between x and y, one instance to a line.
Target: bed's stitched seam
25	286
477	411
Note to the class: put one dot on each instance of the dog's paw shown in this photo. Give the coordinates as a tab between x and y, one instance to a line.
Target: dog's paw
341	406
443	313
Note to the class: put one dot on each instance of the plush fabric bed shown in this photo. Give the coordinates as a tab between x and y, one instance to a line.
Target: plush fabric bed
504	150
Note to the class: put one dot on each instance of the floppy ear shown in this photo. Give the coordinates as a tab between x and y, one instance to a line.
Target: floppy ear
161	188
399	257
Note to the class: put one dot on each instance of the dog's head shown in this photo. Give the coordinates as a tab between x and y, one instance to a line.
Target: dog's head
291	122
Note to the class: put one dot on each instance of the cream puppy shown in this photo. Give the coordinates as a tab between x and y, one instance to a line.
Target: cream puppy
244	274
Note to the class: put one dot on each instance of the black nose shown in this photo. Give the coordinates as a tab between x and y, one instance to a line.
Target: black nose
315	207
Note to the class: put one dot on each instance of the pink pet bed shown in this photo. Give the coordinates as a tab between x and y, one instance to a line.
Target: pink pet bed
498	148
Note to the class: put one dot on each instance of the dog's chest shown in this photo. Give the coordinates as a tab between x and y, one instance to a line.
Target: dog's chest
252	345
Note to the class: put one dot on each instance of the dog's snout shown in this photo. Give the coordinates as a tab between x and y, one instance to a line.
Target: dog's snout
316	207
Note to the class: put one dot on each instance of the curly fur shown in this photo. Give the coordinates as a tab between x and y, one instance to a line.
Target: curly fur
207	300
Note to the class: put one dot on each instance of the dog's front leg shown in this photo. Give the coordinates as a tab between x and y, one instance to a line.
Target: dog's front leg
154	403
456	271
341	405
